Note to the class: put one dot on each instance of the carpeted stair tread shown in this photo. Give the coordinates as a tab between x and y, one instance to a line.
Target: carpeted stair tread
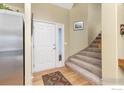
98	37
92	78
94	45
97	41
91	54
90	67
88	59
87	62
99	34
93	49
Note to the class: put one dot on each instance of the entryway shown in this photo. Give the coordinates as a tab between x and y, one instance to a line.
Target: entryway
72	77
48	45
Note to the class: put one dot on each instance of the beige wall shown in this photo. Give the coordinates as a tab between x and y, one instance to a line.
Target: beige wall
53	13
91	15
120	40
16	6
109	42
94	21
78	40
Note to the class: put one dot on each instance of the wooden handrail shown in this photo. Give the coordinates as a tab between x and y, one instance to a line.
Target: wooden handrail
121	63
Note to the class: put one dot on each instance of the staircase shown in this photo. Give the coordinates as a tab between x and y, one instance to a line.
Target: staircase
87	62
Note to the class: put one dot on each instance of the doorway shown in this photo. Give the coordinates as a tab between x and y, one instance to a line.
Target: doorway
48	45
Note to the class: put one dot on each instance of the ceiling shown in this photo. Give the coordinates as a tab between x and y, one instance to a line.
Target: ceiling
64	5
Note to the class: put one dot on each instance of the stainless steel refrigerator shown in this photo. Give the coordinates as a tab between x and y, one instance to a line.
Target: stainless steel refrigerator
11	48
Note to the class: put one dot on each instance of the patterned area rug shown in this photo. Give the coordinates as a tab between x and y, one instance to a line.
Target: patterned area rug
55	78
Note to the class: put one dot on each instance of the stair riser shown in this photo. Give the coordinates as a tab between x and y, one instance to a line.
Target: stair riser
88	67
94	46
91	55
99	37
93	50
97	41
93	79
92	61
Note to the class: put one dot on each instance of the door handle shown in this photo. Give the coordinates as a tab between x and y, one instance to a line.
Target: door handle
54	46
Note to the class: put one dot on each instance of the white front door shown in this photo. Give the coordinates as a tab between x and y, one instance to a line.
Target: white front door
44	45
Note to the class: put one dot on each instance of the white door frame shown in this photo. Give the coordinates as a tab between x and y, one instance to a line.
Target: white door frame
63	49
